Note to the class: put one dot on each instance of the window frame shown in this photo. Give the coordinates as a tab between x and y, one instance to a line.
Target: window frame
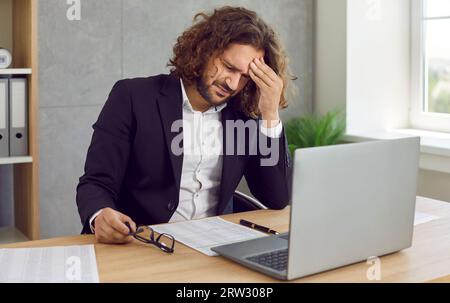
420	119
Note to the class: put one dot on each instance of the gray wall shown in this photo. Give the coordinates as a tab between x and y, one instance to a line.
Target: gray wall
434	184
6	24
79	61
6	194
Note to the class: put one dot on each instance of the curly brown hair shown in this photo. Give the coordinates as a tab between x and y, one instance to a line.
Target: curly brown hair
212	33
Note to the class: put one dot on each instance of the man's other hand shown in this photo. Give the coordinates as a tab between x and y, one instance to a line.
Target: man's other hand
110	227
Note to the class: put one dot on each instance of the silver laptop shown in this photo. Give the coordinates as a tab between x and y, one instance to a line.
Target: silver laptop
349	202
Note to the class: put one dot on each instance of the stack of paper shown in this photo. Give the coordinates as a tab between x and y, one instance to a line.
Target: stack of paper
420	218
69	264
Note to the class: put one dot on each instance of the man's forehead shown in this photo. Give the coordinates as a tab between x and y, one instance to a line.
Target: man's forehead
241	55
248	52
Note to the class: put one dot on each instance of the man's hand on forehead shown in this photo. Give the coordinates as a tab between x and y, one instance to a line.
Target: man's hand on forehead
270	86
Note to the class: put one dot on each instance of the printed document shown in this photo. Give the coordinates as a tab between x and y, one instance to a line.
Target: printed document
420	218
203	234
68	264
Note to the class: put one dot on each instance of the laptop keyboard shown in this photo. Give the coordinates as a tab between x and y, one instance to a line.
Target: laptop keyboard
277	259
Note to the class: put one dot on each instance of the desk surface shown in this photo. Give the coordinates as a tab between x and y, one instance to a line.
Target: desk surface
426	260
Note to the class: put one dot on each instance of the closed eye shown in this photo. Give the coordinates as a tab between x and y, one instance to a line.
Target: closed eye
233	69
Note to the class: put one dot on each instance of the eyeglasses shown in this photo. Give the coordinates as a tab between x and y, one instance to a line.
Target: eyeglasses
164	241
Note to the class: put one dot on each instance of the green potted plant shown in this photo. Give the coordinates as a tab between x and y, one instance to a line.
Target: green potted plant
313	130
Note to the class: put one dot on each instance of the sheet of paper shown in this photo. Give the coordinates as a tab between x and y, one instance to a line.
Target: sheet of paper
205	233
420	218
68	264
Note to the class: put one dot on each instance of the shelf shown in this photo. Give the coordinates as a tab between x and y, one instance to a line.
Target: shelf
24	30
11	235
15	160
15	71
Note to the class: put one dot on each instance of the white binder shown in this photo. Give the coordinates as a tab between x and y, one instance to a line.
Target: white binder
4	113
18	122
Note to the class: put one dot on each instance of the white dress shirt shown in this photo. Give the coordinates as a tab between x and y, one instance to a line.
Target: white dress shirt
202	161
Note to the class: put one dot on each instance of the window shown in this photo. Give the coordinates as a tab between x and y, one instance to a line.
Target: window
430	64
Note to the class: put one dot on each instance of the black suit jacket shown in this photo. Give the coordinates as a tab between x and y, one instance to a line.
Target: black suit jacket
130	167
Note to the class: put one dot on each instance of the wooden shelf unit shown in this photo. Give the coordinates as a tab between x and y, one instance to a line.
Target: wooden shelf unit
15	71
15	160
11	235
26	169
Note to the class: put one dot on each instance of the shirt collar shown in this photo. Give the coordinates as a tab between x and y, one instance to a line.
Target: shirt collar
187	103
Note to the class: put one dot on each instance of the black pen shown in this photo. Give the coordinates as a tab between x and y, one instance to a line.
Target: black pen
258	227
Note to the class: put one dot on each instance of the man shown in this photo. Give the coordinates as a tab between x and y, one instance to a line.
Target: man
228	67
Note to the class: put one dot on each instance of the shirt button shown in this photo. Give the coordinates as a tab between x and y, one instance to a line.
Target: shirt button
171	206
